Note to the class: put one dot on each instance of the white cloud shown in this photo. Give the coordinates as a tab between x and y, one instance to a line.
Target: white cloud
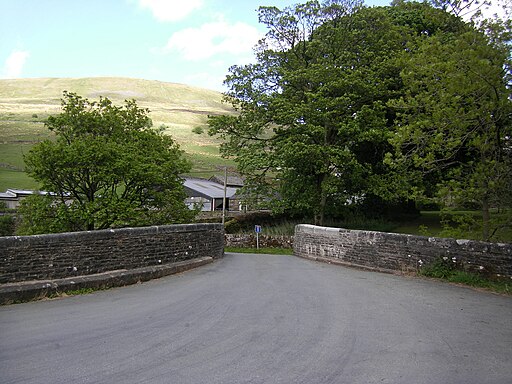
206	80
13	66
170	10
213	38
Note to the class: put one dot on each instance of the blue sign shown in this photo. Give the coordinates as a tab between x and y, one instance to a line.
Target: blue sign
257	228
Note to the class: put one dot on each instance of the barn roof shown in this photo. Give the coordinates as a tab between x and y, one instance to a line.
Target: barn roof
208	188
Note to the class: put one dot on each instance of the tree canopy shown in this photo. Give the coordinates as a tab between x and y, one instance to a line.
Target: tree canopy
105	168
344	101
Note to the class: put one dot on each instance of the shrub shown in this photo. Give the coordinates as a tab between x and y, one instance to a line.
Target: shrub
198	130
7	225
454	271
441	268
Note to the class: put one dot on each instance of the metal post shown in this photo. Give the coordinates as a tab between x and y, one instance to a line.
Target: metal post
257	229
224	199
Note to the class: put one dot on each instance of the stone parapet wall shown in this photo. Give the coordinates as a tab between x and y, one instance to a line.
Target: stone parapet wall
398	252
57	256
265	241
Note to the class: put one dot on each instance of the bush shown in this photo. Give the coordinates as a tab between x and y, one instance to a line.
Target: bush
441	268
428	206
375	207
472	275
7	225
245	223
198	130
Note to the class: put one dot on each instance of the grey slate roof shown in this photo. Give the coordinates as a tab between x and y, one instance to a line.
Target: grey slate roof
208	188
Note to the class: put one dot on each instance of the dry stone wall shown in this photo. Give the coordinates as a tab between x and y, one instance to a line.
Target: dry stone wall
57	256
398	252
265	241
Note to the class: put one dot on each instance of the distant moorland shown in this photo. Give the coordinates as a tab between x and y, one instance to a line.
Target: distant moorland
180	109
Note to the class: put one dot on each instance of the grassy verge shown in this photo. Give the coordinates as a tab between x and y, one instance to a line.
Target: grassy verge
475	281
454	273
272	251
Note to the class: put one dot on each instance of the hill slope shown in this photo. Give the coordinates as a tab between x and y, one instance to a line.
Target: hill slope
26	103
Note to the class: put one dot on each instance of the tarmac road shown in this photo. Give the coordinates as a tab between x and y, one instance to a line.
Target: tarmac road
263	319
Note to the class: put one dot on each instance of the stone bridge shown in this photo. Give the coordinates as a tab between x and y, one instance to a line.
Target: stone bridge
33	266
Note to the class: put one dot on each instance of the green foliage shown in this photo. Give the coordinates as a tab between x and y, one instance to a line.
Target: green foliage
468	225
317	112
38	214
452	270
460	225
178	107
7	225
106	168
441	268
245	223
453	123
198	130
82	291
277	225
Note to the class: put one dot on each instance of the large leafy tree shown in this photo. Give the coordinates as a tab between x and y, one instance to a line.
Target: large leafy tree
455	119
298	105
313	109
105	168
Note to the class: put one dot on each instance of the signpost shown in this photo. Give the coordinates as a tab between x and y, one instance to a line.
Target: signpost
257	229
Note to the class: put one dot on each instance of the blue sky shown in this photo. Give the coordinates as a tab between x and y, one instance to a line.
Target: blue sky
187	41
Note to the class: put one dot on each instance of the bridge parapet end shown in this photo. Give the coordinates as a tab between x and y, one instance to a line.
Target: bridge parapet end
393	252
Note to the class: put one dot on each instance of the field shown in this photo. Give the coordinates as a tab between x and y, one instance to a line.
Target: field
26	103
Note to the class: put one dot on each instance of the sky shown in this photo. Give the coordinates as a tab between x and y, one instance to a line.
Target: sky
191	42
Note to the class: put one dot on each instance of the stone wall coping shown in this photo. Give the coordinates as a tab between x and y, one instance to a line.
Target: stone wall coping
309	228
313	229
108	233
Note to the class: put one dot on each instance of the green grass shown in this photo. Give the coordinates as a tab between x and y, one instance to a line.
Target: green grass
455	273
12	155
472	280
272	251
26	103
16	180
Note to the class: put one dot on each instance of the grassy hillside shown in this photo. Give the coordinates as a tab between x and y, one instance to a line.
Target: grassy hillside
26	103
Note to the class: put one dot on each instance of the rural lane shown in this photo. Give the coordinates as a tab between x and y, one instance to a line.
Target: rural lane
263	319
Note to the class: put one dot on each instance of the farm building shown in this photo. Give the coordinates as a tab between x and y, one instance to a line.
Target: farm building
209	195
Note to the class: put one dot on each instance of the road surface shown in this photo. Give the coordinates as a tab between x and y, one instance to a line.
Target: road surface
263	319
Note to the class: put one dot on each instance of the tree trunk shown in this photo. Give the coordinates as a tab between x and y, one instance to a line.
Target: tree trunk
320	210
486	215
486	218
323	203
